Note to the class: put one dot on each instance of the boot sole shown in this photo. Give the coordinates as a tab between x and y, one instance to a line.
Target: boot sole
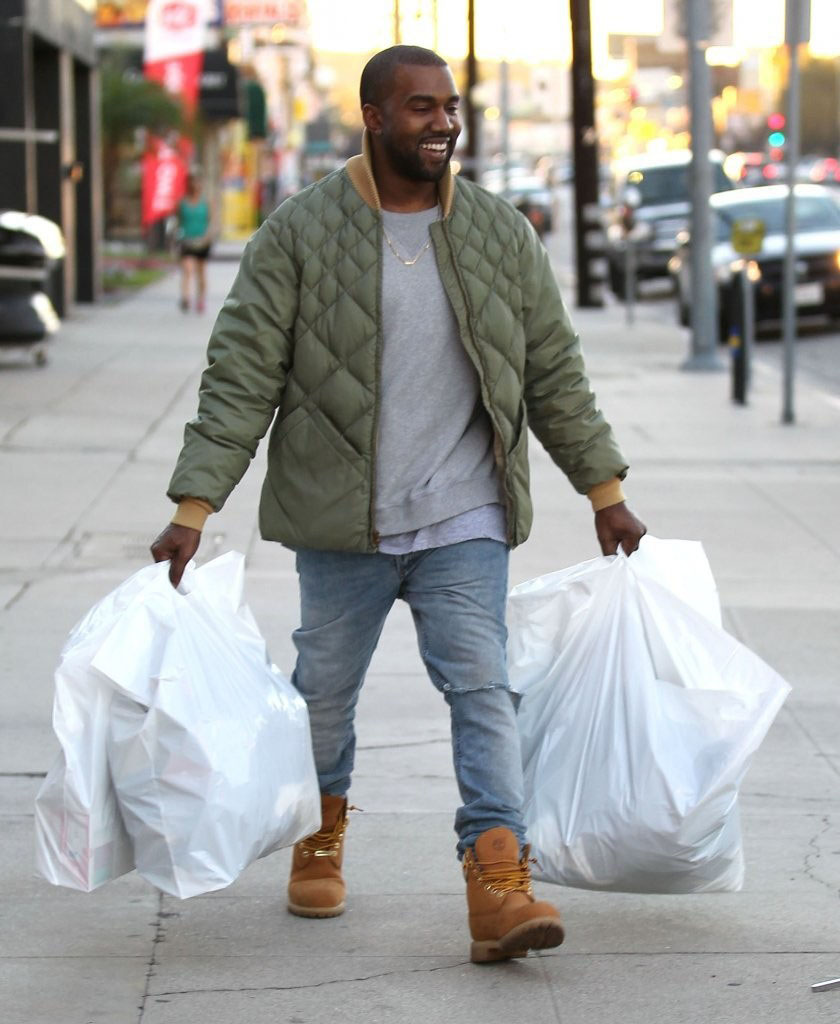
300	911
541	933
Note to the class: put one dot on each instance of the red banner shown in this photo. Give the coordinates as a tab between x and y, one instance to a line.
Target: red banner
180	76
164	178
173	53
174	46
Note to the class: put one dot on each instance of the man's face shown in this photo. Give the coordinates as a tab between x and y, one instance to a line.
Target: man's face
418	123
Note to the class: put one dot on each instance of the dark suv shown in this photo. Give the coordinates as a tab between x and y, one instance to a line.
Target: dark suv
651	194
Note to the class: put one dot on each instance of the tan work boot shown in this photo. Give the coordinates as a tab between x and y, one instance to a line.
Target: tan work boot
316	888
505	919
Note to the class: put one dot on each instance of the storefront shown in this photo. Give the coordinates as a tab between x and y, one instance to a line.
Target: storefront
49	138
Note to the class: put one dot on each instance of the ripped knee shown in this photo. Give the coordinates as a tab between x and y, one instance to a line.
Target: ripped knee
453	692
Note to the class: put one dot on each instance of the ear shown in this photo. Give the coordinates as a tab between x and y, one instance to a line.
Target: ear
372	117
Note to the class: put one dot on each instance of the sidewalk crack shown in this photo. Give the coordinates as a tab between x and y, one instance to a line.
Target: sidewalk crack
159	927
810	860
317	984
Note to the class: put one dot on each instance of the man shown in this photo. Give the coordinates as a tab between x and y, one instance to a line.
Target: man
407	329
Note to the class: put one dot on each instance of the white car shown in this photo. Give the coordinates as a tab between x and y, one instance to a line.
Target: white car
816	244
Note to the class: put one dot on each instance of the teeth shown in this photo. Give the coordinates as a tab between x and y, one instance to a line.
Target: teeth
438	147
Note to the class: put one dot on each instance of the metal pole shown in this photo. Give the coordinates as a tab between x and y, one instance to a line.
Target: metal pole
630	278
397	24
585	150
435	42
504	103
703	354
749	324
735	307
471	112
793	36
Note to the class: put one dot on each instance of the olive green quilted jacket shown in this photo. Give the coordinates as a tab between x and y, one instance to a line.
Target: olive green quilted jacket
299	338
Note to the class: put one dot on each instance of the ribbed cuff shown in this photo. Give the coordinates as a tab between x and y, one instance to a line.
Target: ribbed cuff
606	494
192	512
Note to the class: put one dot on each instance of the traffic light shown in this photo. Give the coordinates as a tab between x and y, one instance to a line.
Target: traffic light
776	129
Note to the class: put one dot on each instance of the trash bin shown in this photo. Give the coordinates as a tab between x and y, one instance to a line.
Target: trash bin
31	248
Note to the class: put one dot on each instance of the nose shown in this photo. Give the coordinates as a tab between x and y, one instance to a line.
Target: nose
443	120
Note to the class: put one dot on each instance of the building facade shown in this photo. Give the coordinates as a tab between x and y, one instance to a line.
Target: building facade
49	131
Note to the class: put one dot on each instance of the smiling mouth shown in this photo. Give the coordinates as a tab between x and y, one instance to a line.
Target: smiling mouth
437	147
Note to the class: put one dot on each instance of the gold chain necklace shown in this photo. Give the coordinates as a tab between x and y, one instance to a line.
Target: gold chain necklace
398	254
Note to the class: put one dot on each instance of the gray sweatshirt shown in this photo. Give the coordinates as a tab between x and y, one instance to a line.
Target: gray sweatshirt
436	475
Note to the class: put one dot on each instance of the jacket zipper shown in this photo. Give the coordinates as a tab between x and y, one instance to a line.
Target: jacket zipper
498	443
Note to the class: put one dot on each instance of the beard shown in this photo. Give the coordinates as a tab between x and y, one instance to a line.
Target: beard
408	163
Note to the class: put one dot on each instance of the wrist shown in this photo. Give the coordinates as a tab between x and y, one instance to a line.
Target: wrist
605	494
192	512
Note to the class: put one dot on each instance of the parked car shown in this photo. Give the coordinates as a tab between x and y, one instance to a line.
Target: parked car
825	171
749	168
816	245
651	194
534	199
528	193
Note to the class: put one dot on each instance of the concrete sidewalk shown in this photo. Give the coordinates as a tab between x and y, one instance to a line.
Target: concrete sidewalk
86	448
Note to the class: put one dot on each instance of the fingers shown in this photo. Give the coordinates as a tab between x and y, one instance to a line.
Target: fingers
160	550
177	545
631	542
176	571
616	525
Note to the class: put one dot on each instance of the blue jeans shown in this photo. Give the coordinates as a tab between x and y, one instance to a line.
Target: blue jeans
457	598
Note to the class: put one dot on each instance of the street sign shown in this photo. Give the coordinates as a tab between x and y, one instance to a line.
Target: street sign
264	12
748	235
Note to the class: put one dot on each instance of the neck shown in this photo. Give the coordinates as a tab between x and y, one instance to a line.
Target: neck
401	195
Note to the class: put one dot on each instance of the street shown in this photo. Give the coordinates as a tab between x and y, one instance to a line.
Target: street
817	356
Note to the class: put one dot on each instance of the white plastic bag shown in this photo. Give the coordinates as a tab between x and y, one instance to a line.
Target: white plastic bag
208	746
81	841
638	719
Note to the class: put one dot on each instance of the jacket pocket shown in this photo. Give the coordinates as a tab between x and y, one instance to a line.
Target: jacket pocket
286	424
520	432
518	483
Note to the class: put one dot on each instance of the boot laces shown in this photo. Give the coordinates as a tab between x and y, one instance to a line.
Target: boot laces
326	842
502	878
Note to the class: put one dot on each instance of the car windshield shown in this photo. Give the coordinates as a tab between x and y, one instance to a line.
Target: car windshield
671	184
813	213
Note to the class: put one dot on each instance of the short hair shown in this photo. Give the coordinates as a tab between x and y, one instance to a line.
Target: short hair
379	70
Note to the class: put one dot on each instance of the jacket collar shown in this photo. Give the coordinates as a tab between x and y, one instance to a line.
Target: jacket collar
360	171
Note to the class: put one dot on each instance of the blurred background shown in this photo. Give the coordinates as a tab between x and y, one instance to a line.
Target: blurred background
101	119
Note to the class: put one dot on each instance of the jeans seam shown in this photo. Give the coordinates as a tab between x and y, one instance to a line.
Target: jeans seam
456	743
437	679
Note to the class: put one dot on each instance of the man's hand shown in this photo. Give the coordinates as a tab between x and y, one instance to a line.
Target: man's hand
616	525
176	544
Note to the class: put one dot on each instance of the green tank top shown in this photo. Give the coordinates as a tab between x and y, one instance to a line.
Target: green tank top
194	218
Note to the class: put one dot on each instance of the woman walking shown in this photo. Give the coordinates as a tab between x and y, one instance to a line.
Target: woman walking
194	240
